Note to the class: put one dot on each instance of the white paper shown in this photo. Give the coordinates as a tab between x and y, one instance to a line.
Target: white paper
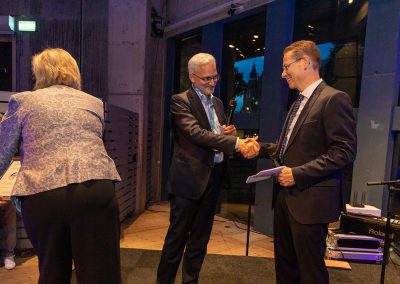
265	174
7	181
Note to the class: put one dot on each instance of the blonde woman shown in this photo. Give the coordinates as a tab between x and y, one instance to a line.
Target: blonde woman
65	185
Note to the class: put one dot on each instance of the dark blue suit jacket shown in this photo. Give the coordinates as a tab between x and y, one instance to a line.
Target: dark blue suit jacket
323	141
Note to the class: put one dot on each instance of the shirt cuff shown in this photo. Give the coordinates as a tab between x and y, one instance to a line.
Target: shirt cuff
237	144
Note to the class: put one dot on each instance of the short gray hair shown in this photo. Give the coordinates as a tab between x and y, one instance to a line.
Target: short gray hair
199	59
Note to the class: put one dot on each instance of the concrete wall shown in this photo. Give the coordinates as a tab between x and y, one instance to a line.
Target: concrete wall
378	99
134	80
59	24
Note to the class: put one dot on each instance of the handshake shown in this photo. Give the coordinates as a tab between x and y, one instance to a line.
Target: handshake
249	147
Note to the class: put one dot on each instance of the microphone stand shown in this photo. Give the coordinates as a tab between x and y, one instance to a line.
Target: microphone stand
231	111
252	189
393	185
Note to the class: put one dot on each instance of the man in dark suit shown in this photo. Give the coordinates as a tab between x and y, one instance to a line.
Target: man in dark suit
202	142
317	141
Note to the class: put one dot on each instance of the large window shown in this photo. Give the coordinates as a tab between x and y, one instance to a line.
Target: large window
338	27
242	73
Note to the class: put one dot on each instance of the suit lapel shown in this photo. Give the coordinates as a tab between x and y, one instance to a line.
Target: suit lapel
198	109
304	113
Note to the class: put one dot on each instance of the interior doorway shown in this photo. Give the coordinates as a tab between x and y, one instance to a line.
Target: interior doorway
7	63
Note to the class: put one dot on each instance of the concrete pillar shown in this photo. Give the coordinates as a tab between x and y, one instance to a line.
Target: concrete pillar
379	96
127	37
279	30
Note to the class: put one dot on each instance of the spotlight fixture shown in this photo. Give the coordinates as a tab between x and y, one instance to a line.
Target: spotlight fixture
235	6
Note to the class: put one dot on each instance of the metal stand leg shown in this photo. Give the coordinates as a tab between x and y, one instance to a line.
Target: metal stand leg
252	185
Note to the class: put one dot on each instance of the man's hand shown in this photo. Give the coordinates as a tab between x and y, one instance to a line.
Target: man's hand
285	178
229	130
249	147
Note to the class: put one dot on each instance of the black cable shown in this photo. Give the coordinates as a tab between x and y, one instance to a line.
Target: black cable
236	219
395	263
234	216
335	246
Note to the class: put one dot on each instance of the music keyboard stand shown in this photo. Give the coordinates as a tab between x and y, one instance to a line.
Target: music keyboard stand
393	185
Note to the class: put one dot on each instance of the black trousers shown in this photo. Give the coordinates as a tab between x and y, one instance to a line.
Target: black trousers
79	222
299	248
189	231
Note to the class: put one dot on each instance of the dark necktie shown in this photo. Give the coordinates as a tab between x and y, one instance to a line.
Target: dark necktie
290	120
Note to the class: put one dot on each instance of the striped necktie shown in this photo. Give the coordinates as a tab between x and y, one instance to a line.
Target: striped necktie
290	120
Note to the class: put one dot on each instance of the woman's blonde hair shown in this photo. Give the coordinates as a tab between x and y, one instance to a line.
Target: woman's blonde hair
55	66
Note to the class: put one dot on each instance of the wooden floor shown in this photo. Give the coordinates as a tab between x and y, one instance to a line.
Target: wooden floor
148	231
229	238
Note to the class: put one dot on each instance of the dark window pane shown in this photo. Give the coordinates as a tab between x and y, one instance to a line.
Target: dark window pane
243	66
338	27
242	72
5	66
186	48
395	202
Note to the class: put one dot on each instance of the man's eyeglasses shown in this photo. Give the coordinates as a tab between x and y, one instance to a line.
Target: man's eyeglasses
286	66
208	79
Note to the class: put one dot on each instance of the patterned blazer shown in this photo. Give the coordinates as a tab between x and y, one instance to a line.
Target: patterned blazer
59	130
